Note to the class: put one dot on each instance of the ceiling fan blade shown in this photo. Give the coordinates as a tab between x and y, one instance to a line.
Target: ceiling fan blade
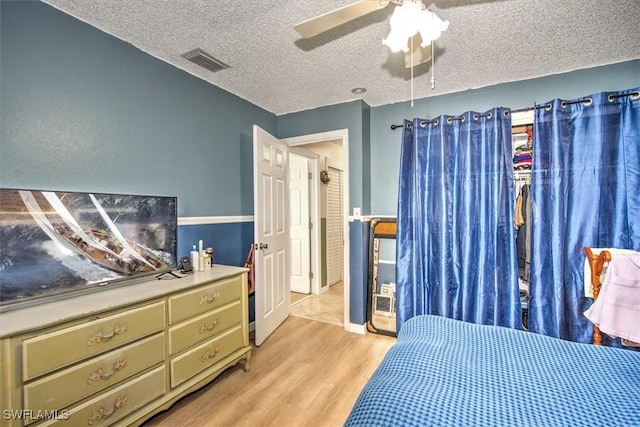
332	19
420	54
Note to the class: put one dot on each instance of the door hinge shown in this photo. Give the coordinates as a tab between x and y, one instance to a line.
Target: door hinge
311	275
310	225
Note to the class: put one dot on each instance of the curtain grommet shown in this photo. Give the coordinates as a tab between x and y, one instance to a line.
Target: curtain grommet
611	98
435	122
563	104
548	107
489	115
449	120
462	119
635	95
423	124
475	117
409	125
587	102
507	112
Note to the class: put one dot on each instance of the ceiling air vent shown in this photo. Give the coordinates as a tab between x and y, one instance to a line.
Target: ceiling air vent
203	59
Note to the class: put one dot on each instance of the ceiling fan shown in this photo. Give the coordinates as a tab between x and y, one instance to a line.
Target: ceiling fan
413	26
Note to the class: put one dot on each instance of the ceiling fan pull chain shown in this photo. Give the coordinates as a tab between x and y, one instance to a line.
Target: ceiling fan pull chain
433	65
411	71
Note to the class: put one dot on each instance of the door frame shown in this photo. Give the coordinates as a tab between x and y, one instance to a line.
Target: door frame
342	135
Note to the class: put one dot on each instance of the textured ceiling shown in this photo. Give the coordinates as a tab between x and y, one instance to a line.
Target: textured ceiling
487	43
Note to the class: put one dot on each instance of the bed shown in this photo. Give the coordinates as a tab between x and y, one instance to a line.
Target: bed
445	372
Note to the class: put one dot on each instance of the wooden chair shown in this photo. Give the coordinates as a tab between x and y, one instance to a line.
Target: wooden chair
596	262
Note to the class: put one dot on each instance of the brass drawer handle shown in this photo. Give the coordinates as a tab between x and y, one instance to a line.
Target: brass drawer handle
208	299
102	413
100	374
98	337
206	327
210	354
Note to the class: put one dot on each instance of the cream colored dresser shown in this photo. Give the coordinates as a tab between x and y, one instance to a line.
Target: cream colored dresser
123	354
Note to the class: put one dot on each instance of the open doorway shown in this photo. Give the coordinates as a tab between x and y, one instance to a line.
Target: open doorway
328	299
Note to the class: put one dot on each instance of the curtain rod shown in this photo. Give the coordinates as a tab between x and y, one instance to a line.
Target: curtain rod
449	119
586	100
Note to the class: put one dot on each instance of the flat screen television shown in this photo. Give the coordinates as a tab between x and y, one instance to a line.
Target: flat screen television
54	242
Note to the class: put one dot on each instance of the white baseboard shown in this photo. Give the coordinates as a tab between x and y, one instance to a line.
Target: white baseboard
357	329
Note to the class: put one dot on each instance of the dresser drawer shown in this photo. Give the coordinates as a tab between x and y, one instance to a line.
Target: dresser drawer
117	403
187	365
63	388
58	349
203	327
204	299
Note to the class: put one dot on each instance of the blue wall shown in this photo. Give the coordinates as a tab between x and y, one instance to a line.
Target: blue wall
82	110
229	241
359	269
385	143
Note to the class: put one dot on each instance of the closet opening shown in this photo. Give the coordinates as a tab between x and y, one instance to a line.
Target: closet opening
522	145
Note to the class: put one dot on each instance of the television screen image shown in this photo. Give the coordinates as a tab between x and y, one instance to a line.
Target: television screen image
53	242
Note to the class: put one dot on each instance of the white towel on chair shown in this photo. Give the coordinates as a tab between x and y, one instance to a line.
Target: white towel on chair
588	286
617	309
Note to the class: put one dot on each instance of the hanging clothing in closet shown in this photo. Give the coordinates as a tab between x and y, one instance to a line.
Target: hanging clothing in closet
522	154
522	161
523	235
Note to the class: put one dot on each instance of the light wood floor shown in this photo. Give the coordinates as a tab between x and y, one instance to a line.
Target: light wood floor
307	373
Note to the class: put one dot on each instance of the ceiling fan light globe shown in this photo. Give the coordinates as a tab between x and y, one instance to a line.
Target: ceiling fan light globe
396	42
431	27
412	14
406	18
428	35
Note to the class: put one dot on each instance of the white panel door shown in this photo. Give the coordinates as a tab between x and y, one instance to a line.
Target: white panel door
335	227
299	224
271	233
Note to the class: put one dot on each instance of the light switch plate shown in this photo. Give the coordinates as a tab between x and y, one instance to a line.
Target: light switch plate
356	213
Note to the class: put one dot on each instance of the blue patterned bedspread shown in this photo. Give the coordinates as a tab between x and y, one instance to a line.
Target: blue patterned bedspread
444	372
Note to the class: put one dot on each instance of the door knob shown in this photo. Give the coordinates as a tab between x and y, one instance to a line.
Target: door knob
263	246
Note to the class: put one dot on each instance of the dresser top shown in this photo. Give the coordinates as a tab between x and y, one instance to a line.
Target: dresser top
42	313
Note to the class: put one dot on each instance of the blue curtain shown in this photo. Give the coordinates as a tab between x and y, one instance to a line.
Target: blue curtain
456	253
585	192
